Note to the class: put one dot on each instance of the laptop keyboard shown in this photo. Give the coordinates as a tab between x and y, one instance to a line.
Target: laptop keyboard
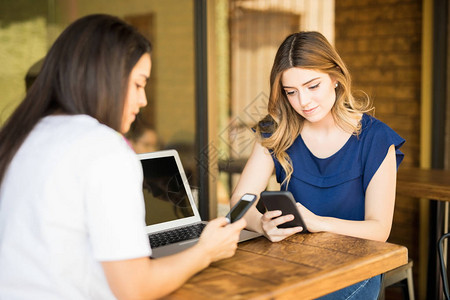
176	235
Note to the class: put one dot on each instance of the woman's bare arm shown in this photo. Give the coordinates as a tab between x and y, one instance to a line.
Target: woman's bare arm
145	278
379	207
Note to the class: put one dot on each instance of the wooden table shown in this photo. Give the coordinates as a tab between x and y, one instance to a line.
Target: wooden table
431	184
304	266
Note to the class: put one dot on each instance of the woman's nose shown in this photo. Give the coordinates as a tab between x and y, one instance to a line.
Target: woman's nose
143	100
303	99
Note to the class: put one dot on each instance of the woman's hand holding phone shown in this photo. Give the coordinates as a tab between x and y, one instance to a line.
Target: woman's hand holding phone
270	221
282	218
315	223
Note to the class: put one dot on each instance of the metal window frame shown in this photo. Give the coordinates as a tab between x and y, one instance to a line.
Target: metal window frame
201	105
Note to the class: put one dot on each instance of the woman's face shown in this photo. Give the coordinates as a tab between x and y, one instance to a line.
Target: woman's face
311	93
136	97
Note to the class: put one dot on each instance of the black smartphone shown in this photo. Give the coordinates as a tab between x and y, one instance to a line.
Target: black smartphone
284	201
241	207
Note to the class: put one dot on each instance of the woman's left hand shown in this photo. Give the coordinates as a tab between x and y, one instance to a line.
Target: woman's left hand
312	221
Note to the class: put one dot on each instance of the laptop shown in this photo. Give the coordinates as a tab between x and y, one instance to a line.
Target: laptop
170	206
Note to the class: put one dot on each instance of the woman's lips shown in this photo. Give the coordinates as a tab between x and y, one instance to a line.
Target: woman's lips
309	111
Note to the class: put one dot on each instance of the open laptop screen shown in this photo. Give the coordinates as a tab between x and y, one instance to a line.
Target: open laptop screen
165	195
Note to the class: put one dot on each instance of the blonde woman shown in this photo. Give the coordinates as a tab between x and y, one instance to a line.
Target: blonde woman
339	162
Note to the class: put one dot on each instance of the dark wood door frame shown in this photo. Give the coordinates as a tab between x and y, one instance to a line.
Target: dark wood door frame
439	90
201	106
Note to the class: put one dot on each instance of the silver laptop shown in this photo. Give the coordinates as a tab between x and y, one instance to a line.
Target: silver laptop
170	206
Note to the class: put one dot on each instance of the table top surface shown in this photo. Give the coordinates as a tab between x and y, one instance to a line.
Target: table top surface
424	183
303	266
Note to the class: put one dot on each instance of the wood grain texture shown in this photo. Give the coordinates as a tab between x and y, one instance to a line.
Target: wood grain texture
304	266
422	183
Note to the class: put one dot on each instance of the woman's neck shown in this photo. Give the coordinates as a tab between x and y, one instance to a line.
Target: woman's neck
324	138
325	126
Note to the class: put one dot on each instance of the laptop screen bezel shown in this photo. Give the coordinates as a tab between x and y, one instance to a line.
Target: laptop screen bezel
180	222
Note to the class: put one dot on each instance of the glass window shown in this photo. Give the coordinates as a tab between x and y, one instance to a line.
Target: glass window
28	28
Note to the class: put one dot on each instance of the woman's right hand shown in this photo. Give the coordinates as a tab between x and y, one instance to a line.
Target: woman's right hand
269	222
219	238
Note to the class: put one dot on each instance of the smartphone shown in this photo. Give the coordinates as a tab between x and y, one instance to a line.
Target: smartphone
284	201
241	207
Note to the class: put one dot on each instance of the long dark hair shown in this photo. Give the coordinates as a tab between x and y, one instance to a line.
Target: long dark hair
86	71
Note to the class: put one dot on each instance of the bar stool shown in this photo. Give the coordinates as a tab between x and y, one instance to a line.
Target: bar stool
401	276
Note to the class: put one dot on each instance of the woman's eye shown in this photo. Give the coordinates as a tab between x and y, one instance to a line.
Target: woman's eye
290	93
314	86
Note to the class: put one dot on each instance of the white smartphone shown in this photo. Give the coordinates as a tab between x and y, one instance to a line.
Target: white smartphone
241	207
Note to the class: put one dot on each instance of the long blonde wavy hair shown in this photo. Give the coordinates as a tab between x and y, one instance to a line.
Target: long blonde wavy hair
307	50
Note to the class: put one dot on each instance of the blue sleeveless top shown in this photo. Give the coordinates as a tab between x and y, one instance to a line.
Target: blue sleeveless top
336	186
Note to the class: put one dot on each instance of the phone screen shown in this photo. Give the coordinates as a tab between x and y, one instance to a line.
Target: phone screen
241	207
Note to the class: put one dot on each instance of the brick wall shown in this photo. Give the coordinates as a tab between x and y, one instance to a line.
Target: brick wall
381	43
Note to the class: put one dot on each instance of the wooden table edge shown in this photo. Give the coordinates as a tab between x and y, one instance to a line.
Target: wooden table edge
378	263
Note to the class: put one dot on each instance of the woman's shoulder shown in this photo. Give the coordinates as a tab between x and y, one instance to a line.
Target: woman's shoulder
76	124
376	134
368	120
84	133
372	126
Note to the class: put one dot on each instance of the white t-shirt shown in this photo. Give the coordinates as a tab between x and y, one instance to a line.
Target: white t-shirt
71	198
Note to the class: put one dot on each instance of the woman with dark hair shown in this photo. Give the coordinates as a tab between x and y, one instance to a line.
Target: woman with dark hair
71	204
339	162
